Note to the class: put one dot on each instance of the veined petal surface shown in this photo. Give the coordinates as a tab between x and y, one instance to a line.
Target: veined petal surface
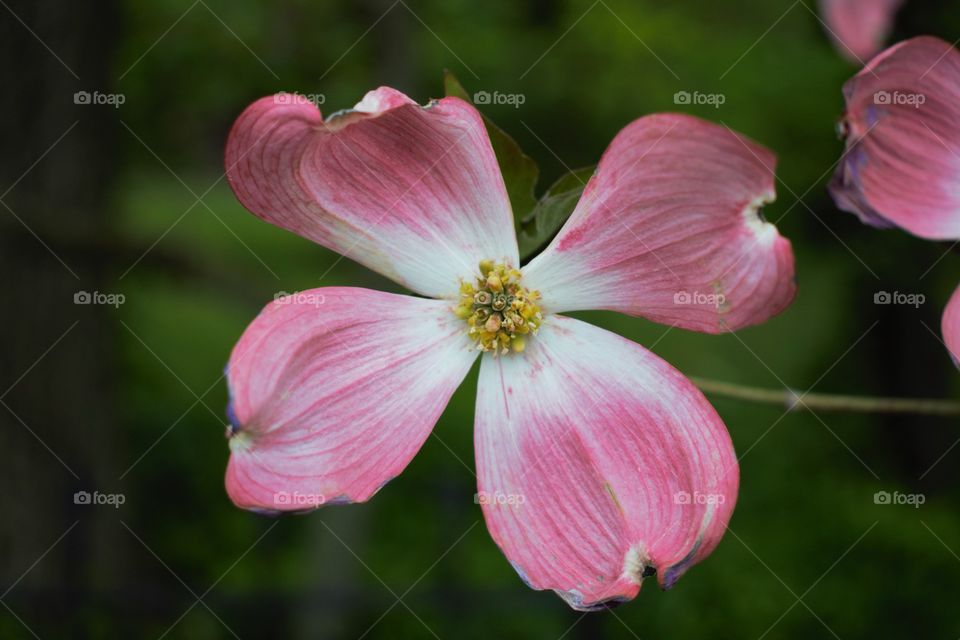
414	193
669	228
901	166
333	391
599	463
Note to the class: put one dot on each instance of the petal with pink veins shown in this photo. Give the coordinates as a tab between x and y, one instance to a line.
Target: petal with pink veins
669	228
599	464
414	193
859	28
950	326
901	166
333	391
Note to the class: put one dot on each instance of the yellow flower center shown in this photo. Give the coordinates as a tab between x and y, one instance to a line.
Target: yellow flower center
499	311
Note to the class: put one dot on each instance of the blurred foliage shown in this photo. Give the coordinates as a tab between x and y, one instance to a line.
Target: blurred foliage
808	548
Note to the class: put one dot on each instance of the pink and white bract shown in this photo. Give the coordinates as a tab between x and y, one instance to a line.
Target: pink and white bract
859	28
901	166
902	127
598	463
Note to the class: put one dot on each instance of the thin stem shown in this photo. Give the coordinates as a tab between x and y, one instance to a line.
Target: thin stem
797	400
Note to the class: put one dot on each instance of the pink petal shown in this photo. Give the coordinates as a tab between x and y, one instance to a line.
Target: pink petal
598	463
950	326
859	28
333	391
669	229
902	161
414	193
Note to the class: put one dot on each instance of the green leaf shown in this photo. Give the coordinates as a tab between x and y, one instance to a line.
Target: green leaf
520	172
551	211
535	221
452	87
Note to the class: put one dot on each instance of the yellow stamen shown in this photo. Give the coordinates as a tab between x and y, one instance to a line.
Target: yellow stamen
498	310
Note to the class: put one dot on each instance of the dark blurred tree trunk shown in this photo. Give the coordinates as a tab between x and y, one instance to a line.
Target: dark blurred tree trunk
56	168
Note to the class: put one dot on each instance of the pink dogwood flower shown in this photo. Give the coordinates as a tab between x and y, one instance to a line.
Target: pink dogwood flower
598	464
859	28
901	165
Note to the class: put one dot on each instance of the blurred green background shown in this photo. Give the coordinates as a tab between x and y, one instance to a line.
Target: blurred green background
131	200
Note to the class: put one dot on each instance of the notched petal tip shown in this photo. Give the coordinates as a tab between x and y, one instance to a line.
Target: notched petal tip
635	564
636	567
755	219
414	193
238	440
374	104
621	589
669	228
